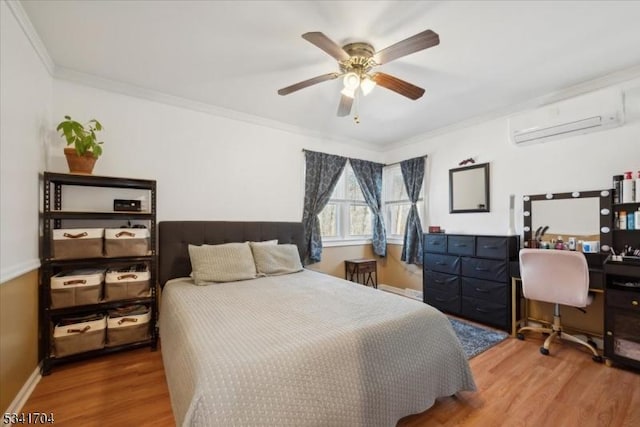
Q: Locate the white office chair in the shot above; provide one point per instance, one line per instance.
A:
(558, 277)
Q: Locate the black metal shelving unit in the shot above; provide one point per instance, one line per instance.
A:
(52, 217)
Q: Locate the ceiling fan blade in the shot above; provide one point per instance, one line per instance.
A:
(405, 47)
(397, 85)
(326, 44)
(344, 108)
(306, 83)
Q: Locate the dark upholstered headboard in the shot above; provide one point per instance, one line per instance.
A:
(175, 236)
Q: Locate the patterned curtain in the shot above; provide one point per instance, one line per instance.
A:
(413, 174)
(321, 176)
(369, 176)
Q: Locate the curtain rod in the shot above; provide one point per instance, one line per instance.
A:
(390, 164)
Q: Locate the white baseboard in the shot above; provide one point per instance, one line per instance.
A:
(24, 393)
(391, 289)
(407, 292)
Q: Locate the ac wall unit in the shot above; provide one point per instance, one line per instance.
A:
(575, 116)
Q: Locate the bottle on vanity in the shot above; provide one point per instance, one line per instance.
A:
(628, 188)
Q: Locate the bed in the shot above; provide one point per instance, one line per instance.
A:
(299, 349)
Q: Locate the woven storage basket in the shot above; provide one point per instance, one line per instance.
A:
(120, 242)
(126, 283)
(79, 335)
(77, 287)
(77, 243)
(123, 328)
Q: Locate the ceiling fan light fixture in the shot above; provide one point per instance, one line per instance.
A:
(367, 85)
(351, 81)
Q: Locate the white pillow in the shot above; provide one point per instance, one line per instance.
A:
(273, 260)
(222, 263)
(264, 242)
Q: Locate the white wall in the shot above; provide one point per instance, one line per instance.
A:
(578, 163)
(206, 166)
(25, 99)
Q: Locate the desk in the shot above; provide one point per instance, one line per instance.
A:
(355, 268)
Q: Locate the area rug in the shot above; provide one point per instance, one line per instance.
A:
(476, 339)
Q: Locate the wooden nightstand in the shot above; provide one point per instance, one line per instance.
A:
(364, 271)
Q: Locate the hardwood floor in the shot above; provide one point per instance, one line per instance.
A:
(517, 386)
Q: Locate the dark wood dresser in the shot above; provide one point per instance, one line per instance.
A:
(468, 276)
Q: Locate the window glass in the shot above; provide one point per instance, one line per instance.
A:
(329, 220)
(347, 215)
(360, 220)
(397, 202)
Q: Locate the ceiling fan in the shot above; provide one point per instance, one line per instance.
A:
(356, 61)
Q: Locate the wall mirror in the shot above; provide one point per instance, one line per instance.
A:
(582, 215)
(469, 189)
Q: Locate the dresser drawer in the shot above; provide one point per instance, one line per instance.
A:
(442, 282)
(460, 245)
(492, 247)
(485, 312)
(623, 299)
(484, 290)
(435, 243)
(442, 263)
(485, 269)
(442, 301)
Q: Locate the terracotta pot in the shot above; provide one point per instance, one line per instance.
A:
(79, 164)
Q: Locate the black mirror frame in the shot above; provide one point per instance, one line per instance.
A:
(606, 213)
(487, 193)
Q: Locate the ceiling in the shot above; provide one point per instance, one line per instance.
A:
(236, 55)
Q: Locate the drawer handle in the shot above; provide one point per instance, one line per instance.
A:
(74, 282)
(126, 234)
(484, 291)
(489, 247)
(79, 331)
(440, 299)
(634, 303)
(439, 281)
(75, 236)
(440, 263)
(460, 245)
(435, 243)
(482, 311)
(609, 333)
(481, 269)
(128, 276)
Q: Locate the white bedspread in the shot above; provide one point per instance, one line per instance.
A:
(304, 349)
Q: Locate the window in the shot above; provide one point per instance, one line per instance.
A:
(396, 202)
(347, 215)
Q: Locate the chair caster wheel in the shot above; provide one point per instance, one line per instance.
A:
(544, 351)
(597, 359)
(593, 344)
(520, 336)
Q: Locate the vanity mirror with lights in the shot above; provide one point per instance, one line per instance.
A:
(584, 217)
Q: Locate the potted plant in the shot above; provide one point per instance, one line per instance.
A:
(86, 148)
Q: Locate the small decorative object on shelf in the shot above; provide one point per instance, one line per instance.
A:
(98, 285)
(86, 149)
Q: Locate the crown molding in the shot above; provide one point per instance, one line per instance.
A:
(27, 27)
(67, 74)
(602, 82)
